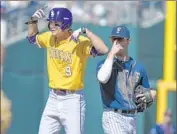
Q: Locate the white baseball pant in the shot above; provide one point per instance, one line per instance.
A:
(116, 123)
(63, 110)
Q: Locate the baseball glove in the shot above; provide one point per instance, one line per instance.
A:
(142, 98)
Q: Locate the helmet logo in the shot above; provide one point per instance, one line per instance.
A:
(52, 13)
(58, 12)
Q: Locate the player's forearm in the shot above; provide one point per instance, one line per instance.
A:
(32, 32)
(97, 42)
(105, 71)
(32, 29)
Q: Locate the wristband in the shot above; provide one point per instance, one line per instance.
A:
(83, 30)
(31, 21)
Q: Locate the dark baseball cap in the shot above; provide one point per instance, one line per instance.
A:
(120, 31)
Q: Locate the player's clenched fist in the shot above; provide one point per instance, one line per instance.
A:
(75, 35)
(39, 14)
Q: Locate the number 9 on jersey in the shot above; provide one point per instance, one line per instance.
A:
(68, 71)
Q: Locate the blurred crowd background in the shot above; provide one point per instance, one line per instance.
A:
(24, 78)
(101, 13)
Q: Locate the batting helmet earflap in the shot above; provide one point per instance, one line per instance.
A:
(62, 15)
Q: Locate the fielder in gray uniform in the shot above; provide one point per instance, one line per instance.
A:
(124, 85)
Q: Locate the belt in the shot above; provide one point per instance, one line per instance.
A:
(64, 91)
(132, 111)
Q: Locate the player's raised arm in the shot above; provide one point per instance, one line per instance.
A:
(32, 28)
(33, 25)
(96, 41)
(105, 70)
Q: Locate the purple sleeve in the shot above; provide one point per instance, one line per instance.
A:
(32, 39)
(94, 52)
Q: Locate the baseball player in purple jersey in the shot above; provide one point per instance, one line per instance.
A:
(124, 86)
